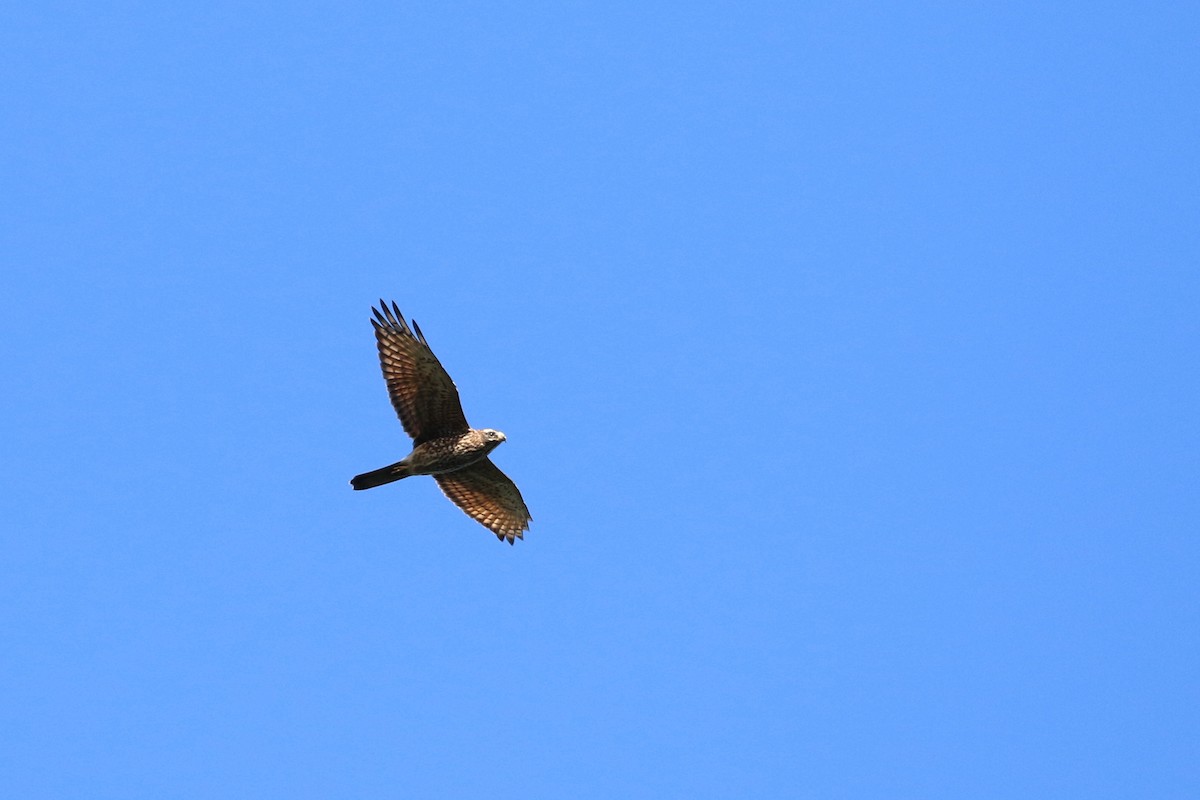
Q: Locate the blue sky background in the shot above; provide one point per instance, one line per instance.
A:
(847, 354)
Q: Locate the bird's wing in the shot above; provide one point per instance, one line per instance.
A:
(423, 395)
(489, 497)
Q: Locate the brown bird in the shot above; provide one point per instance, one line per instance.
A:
(444, 445)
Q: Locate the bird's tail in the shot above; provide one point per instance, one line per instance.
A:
(378, 477)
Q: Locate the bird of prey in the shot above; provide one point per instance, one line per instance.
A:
(444, 445)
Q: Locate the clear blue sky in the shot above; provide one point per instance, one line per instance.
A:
(847, 354)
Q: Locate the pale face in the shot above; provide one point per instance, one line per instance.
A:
(490, 435)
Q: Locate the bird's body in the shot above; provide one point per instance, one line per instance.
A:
(434, 457)
(444, 446)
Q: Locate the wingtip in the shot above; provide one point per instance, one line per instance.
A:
(390, 316)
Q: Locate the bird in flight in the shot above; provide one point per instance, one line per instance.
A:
(444, 445)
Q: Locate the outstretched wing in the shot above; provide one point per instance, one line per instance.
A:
(423, 395)
(489, 497)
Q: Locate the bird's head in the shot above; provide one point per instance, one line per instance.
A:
(492, 437)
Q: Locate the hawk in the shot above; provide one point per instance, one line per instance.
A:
(444, 445)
